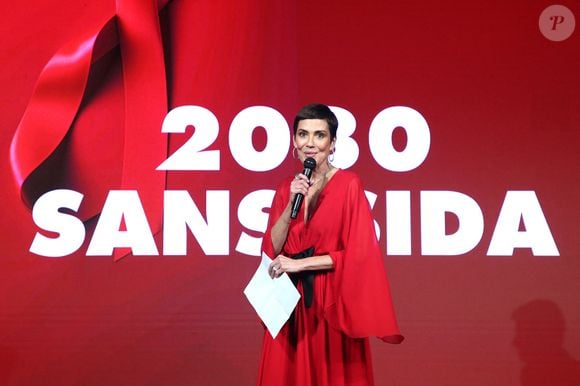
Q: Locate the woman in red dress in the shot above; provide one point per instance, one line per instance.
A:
(331, 252)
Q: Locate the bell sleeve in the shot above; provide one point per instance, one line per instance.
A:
(360, 302)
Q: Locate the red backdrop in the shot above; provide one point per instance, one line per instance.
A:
(503, 107)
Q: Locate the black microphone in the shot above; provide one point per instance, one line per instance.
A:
(309, 166)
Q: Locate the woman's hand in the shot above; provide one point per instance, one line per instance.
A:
(299, 184)
(283, 264)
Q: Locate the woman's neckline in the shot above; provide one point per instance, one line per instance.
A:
(321, 193)
(327, 176)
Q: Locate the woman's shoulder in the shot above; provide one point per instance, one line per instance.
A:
(348, 178)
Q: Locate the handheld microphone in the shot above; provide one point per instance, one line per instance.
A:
(309, 166)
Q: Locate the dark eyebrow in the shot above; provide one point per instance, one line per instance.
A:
(298, 131)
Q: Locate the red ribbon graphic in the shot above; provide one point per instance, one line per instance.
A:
(60, 89)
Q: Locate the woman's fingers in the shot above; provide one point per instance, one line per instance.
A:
(275, 268)
(280, 265)
(300, 184)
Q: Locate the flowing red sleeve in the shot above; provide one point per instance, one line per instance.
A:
(360, 304)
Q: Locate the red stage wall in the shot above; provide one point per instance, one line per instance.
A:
(494, 102)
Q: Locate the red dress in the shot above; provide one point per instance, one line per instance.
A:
(327, 343)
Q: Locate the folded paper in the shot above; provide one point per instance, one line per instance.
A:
(273, 299)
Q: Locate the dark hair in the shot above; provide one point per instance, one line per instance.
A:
(317, 111)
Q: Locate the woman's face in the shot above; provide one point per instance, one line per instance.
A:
(312, 139)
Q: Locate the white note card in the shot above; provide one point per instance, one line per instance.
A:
(273, 299)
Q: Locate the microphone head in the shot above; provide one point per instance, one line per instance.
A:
(310, 163)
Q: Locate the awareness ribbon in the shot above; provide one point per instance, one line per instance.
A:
(60, 88)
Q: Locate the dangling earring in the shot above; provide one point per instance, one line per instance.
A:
(331, 156)
(294, 153)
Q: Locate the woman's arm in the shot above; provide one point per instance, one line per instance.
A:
(279, 232)
(283, 264)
